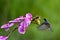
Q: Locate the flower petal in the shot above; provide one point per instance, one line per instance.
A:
(7, 26)
(29, 15)
(24, 25)
(3, 37)
(17, 19)
(22, 28)
(6, 29)
(27, 21)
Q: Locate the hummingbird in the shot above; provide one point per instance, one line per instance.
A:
(45, 25)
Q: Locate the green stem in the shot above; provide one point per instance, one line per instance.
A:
(12, 31)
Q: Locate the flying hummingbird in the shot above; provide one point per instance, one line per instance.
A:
(45, 25)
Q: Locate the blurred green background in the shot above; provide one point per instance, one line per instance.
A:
(50, 9)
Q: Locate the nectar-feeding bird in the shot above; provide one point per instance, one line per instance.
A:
(45, 25)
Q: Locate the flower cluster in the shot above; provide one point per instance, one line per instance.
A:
(23, 23)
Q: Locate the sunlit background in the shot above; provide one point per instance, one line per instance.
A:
(49, 9)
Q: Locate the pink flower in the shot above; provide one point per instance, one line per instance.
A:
(17, 19)
(7, 26)
(24, 22)
(11, 23)
(24, 25)
(29, 16)
(3, 37)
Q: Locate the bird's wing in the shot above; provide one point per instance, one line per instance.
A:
(42, 27)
